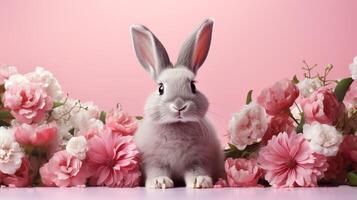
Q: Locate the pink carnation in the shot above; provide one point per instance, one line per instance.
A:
(289, 161)
(279, 97)
(277, 124)
(64, 170)
(114, 160)
(322, 106)
(28, 103)
(21, 178)
(242, 172)
(36, 135)
(120, 122)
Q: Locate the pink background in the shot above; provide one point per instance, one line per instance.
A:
(87, 44)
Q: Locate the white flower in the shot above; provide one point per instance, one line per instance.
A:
(77, 146)
(7, 71)
(324, 139)
(16, 79)
(295, 111)
(308, 86)
(10, 152)
(353, 68)
(46, 80)
(248, 126)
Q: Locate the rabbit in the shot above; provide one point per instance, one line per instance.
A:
(176, 140)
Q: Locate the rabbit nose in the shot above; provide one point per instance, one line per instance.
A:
(176, 108)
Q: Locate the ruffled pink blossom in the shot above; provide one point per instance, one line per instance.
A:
(28, 103)
(322, 106)
(279, 97)
(21, 178)
(36, 135)
(113, 160)
(120, 122)
(64, 170)
(289, 162)
(277, 124)
(242, 172)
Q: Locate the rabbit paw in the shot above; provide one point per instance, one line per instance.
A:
(199, 182)
(160, 182)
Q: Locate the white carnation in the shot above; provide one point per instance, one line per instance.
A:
(323, 138)
(46, 79)
(77, 146)
(353, 68)
(16, 79)
(308, 86)
(10, 152)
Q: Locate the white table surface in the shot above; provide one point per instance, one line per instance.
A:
(325, 193)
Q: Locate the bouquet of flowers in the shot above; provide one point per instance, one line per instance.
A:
(49, 139)
(296, 133)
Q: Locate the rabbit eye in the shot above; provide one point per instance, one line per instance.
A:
(193, 87)
(161, 88)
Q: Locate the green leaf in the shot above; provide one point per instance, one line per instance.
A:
(57, 104)
(301, 124)
(5, 115)
(352, 178)
(139, 117)
(295, 80)
(249, 97)
(102, 116)
(234, 152)
(342, 88)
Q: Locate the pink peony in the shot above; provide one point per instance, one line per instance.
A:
(277, 124)
(279, 97)
(120, 122)
(36, 135)
(113, 160)
(289, 161)
(28, 103)
(248, 126)
(242, 172)
(21, 178)
(64, 170)
(322, 106)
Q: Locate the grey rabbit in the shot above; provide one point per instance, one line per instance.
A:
(175, 138)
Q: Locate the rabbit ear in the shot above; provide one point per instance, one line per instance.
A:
(195, 49)
(149, 50)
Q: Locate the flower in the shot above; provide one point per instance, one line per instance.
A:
(221, 183)
(323, 139)
(21, 178)
(77, 146)
(351, 96)
(120, 122)
(113, 160)
(349, 148)
(248, 126)
(28, 103)
(242, 172)
(37, 135)
(10, 152)
(46, 80)
(337, 169)
(64, 170)
(277, 124)
(308, 86)
(353, 68)
(6, 72)
(279, 97)
(289, 161)
(16, 80)
(322, 106)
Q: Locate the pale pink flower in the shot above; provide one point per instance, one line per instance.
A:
(37, 135)
(120, 122)
(248, 126)
(351, 96)
(289, 161)
(28, 103)
(11, 153)
(6, 71)
(279, 97)
(113, 160)
(21, 178)
(64, 170)
(322, 106)
(277, 124)
(221, 183)
(242, 172)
